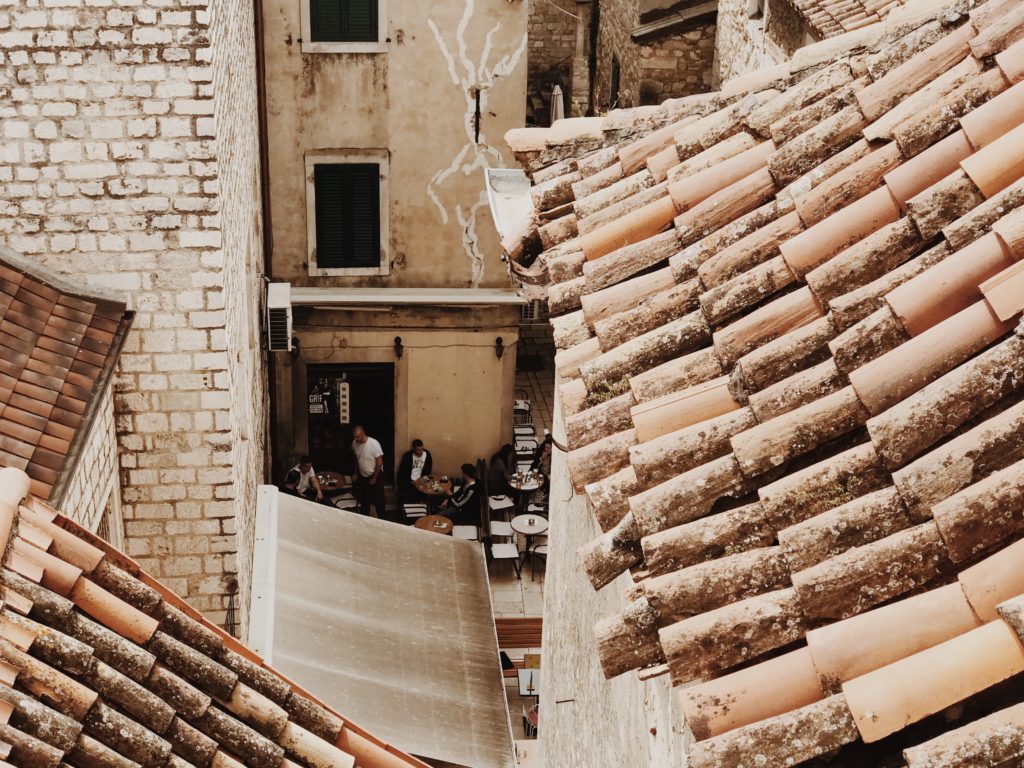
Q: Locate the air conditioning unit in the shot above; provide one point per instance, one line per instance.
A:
(279, 317)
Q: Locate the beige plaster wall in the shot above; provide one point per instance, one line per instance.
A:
(451, 390)
(415, 100)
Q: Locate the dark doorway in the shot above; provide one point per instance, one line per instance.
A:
(341, 396)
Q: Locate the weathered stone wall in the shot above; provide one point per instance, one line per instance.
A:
(745, 44)
(617, 19)
(588, 720)
(96, 476)
(673, 64)
(552, 30)
(110, 174)
(237, 146)
(678, 65)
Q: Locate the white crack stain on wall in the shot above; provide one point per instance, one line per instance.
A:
(475, 155)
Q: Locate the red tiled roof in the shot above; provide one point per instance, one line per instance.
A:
(100, 665)
(792, 369)
(57, 347)
(833, 17)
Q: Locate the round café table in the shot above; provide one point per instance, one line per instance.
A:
(432, 486)
(436, 523)
(332, 482)
(529, 525)
(525, 485)
(434, 490)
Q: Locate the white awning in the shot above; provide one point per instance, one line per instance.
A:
(391, 625)
(508, 194)
(376, 297)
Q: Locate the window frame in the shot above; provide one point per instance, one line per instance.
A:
(380, 45)
(342, 157)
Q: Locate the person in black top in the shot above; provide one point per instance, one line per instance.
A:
(291, 483)
(416, 463)
(463, 507)
(498, 471)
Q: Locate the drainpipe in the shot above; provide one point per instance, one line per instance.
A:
(268, 239)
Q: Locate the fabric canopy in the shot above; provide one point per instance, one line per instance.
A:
(391, 624)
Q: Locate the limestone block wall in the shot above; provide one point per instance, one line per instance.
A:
(95, 482)
(678, 63)
(617, 19)
(111, 173)
(626, 721)
(552, 30)
(745, 44)
(555, 28)
(237, 148)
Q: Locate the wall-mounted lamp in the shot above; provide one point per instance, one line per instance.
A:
(499, 347)
(295, 348)
(399, 349)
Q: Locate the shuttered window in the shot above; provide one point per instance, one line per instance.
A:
(347, 215)
(343, 21)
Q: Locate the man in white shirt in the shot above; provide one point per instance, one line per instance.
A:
(308, 486)
(369, 483)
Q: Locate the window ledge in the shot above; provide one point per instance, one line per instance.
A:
(346, 47)
(315, 271)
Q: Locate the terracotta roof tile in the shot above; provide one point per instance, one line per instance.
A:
(143, 680)
(837, 389)
(42, 328)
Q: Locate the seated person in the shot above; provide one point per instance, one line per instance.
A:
(542, 457)
(308, 486)
(542, 462)
(463, 506)
(499, 470)
(416, 463)
(291, 483)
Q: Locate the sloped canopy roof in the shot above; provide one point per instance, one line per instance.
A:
(393, 624)
(58, 349)
(788, 317)
(100, 665)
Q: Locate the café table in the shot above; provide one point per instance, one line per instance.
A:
(529, 525)
(525, 484)
(434, 489)
(436, 523)
(333, 482)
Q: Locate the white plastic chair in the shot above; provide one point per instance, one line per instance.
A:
(466, 532)
(502, 529)
(499, 503)
(507, 551)
(413, 511)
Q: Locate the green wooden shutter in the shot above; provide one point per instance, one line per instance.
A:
(347, 215)
(343, 20)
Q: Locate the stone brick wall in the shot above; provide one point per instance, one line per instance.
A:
(237, 147)
(745, 44)
(617, 19)
(677, 63)
(95, 477)
(109, 173)
(552, 30)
